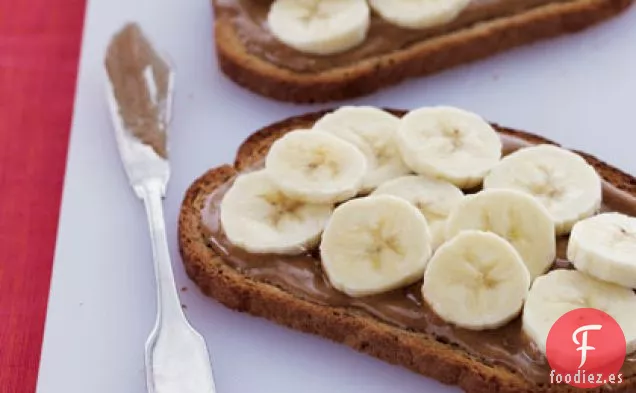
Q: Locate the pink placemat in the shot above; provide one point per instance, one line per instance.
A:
(39, 52)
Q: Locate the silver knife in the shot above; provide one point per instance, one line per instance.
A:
(139, 93)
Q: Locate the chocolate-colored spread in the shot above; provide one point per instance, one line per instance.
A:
(250, 19)
(302, 276)
(140, 80)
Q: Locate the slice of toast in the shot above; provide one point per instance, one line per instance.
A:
(419, 352)
(423, 57)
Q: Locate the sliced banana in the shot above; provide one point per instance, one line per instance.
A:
(316, 167)
(419, 14)
(449, 143)
(561, 291)
(375, 244)
(476, 281)
(513, 215)
(373, 131)
(563, 181)
(435, 199)
(604, 246)
(320, 27)
(258, 217)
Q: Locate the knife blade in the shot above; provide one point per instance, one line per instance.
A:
(140, 91)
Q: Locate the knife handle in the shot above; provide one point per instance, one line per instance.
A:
(177, 359)
(169, 304)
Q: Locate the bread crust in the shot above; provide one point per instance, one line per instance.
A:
(418, 352)
(424, 58)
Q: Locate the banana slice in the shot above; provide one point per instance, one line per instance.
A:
(258, 217)
(316, 167)
(604, 246)
(513, 215)
(320, 27)
(419, 14)
(375, 244)
(561, 291)
(476, 281)
(449, 143)
(435, 199)
(563, 181)
(372, 130)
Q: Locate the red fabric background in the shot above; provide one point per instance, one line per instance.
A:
(39, 50)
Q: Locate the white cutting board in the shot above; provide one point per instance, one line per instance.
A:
(579, 90)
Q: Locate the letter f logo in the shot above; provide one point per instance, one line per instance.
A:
(573, 336)
(583, 343)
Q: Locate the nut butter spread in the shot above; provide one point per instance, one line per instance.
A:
(140, 80)
(250, 20)
(302, 276)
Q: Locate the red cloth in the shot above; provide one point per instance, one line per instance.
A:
(39, 51)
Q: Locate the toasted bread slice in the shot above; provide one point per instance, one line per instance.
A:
(423, 57)
(419, 352)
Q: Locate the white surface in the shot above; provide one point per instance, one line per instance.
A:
(578, 90)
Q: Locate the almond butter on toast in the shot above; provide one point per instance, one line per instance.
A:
(267, 289)
(252, 57)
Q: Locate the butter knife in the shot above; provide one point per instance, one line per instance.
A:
(139, 94)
